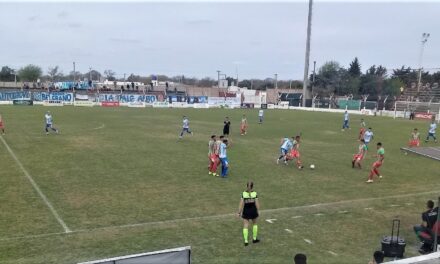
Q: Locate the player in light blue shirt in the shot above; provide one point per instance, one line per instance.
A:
(346, 120)
(49, 123)
(224, 158)
(368, 136)
(185, 127)
(431, 131)
(286, 145)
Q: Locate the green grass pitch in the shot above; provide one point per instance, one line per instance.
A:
(111, 169)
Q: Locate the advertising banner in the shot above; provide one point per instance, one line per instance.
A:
(161, 104)
(128, 98)
(110, 104)
(83, 103)
(197, 99)
(81, 96)
(22, 102)
(136, 104)
(180, 105)
(10, 96)
(224, 102)
(53, 96)
(427, 116)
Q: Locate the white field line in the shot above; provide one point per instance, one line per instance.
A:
(270, 220)
(100, 127)
(217, 217)
(288, 230)
(297, 216)
(308, 241)
(332, 253)
(36, 188)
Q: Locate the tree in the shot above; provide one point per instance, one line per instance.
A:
(54, 73)
(392, 86)
(96, 75)
(355, 68)
(330, 79)
(134, 78)
(30, 73)
(110, 75)
(245, 83)
(7, 74)
(207, 82)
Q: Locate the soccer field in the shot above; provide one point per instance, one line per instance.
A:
(121, 182)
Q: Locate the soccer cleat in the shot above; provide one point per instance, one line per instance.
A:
(246, 244)
(369, 181)
(209, 173)
(285, 162)
(380, 176)
(255, 241)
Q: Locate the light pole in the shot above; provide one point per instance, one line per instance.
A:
(218, 78)
(90, 73)
(313, 78)
(276, 87)
(74, 77)
(307, 56)
(425, 37)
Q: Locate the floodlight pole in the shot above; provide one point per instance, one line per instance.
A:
(276, 87)
(307, 56)
(74, 77)
(218, 78)
(425, 37)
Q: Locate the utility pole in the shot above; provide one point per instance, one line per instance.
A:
(425, 37)
(307, 55)
(276, 87)
(313, 78)
(218, 78)
(74, 77)
(236, 72)
(90, 73)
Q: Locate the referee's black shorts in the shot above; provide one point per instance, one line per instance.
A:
(249, 213)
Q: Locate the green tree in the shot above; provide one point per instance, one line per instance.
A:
(355, 68)
(331, 78)
(245, 83)
(30, 73)
(7, 74)
(392, 86)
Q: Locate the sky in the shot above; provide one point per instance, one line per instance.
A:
(254, 39)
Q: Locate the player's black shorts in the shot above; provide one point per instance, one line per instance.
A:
(249, 213)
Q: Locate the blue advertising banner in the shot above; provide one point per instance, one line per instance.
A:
(10, 96)
(70, 85)
(127, 98)
(197, 99)
(53, 96)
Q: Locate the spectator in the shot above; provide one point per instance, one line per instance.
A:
(424, 231)
(300, 259)
(378, 257)
(402, 90)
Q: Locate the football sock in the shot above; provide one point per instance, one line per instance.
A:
(245, 235)
(254, 232)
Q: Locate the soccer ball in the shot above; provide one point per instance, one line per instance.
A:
(312, 167)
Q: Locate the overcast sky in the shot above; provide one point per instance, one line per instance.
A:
(196, 39)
